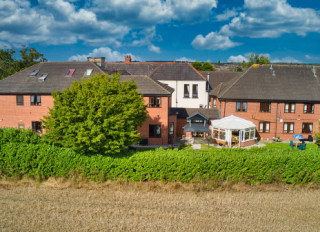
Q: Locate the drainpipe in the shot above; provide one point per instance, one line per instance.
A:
(224, 110)
(275, 134)
(176, 94)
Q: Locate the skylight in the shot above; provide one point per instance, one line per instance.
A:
(34, 73)
(88, 72)
(70, 72)
(43, 77)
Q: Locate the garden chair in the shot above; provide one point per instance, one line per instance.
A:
(291, 144)
(303, 146)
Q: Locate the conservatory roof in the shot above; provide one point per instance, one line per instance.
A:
(233, 123)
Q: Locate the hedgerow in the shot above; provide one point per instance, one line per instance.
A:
(253, 166)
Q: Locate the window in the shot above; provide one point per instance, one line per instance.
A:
(33, 73)
(154, 131)
(186, 90)
(241, 106)
(219, 133)
(154, 101)
(289, 107)
(288, 127)
(37, 126)
(35, 100)
(88, 72)
(308, 108)
(70, 72)
(43, 77)
(265, 107)
(264, 127)
(307, 127)
(249, 134)
(19, 99)
(195, 91)
(214, 102)
(171, 129)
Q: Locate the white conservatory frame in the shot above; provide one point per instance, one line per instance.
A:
(222, 129)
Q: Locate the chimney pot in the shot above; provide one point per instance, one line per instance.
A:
(127, 59)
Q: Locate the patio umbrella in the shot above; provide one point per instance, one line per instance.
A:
(297, 136)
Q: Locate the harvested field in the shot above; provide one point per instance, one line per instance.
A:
(63, 206)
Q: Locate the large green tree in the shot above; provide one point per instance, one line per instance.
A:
(98, 115)
(10, 65)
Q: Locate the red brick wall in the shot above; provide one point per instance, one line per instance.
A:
(254, 115)
(181, 122)
(11, 114)
(156, 116)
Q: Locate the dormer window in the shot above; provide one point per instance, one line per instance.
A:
(70, 72)
(34, 73)
(43, 77)
(88, 72)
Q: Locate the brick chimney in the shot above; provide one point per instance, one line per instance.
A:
(97, 60)
(127, 59)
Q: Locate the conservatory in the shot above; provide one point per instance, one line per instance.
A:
(233, 131)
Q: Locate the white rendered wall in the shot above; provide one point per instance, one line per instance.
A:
(178, 99)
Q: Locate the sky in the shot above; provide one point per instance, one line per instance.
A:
(164, 30)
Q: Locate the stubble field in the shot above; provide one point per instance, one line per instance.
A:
(58, 205)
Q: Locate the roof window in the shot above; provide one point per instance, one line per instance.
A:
(34, 73)
(88, 72)
(43, 77)
(70, 72)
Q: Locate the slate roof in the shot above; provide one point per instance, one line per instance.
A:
(219, 78)
(290, 83)
(187, 112)
(133, 68)
(22, 83)
(148, 86)
(177, 71)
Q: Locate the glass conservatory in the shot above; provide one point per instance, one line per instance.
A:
(233, 131)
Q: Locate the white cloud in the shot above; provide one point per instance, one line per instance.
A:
(213, 41)
(270, 19)
(151, 12)
(106, 52)
(227, 14)
(287, 59)
(53, 22)
(185, 59)
(237, 59)
(153, 48)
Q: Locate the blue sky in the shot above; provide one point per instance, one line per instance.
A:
(202, 30)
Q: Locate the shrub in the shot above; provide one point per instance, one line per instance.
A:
(256, 165)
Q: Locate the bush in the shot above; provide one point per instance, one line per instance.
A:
(18, 136)
(256, 165)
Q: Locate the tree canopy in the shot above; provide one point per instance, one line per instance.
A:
(206, 66)
(256, 59)
(10, 65)
(98, 115)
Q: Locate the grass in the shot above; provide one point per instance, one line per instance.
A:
(55, 206)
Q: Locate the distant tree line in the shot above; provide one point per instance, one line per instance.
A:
(256, 59)
(10, 65)
(206, 66)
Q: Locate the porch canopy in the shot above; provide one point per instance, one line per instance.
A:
(233, 129)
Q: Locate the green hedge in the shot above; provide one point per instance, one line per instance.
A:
(19, 136)
(256, 165)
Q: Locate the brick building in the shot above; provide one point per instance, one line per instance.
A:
(281, 100)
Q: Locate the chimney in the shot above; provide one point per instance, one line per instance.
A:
(97, 60)
(127, 59)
